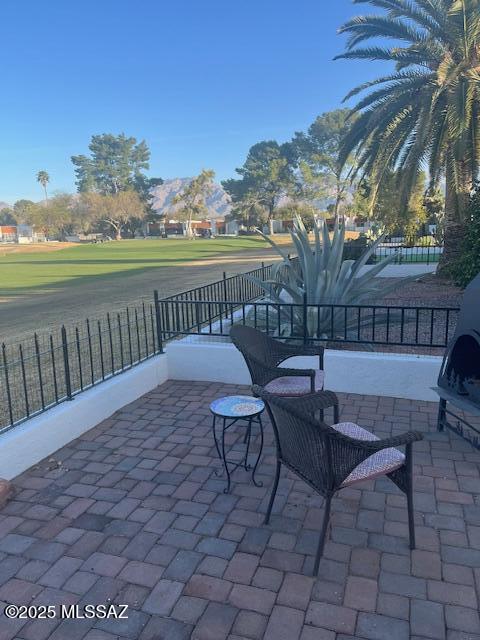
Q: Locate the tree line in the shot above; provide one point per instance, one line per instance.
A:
(113, 194)
(276, 182)
(408, 151)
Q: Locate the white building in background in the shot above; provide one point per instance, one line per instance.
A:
(20, 234)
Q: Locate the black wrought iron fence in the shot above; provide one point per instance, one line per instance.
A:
(403, 254)
(235, 287)
(51, 368)
(421, 327)
(217, 297)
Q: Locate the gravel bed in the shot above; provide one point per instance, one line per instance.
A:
(426, 291)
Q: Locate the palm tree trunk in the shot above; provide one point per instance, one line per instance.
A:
(456, 206)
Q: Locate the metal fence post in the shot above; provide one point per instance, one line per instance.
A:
(66, 363)
(7, 383)
(158, 321)
(305, 320)
(225, 295)
(39, 369)
(263, 270)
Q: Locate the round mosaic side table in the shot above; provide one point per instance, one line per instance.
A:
(231, 410)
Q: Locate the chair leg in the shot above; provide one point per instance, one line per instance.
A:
(274, 492)
(323, 534)
(411, 513)
(336, 416)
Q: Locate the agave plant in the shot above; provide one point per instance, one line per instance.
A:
(320, 276)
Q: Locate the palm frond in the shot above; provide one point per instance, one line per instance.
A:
(420, 12)
(428, 113)
(363, 28)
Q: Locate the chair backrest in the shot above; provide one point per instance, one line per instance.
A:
(256, 347)
(303, 443)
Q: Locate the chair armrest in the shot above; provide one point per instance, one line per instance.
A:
(286, 351)
(395, 441)
(308, 403)
(269, 373)
(315, 401)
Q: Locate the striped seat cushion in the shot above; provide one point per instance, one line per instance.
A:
(378, 464)
(295, 385)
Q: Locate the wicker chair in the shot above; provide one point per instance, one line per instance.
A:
(329, 458)
(263, 355)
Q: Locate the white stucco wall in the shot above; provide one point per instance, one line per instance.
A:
(30, 442)
(383, 374)
(205, 359)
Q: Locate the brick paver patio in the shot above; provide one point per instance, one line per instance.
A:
(132, 513)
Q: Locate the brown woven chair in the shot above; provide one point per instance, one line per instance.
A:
(329, 458)
(263, 355)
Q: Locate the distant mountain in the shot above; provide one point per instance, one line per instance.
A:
(4, 205)
(218, 203)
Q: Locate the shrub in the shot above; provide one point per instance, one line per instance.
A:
(353, 249)
(468, 264)
(426, 241)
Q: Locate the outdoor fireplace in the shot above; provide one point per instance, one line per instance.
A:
(461, 369)
(459, 379)
(460, 372)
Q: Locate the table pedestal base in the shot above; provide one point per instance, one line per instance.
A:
(220, 447)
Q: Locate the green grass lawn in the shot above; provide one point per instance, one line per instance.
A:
(22, 272)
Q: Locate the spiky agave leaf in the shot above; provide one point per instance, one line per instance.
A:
(322, 277)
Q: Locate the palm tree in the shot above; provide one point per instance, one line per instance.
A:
(425, 115)
(43, 178)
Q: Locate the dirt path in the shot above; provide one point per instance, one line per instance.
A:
(21, 316)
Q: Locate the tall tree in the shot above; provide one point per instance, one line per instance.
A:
(468, 265)
(249, 212)
(427, 111)
(266, 174)
(117, 210)
(190, 202)
(292, 210)
(43, 178)
(143, 186)
(387, 212)
(315, 154)
(85, 217)
(52, 218)
(116, 163)
(434, 202)
(7, 217)
(21, 210)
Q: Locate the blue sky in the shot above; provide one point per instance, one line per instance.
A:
(199, 81)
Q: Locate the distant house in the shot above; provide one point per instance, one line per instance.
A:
(8, 233)
(21, 234)
(214, 226)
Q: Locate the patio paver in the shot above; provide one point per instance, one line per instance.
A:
(134, 514)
